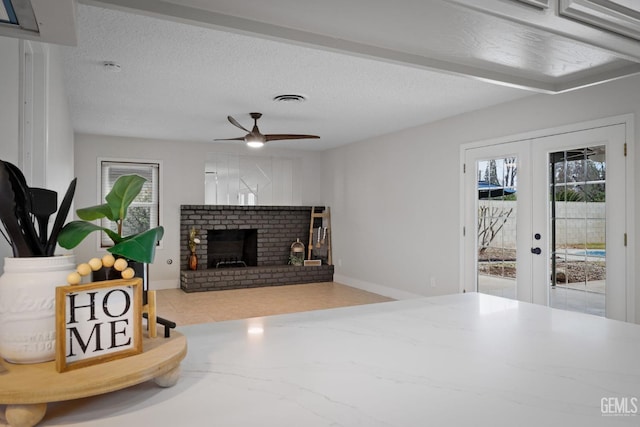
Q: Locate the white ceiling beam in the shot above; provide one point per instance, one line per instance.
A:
(51, 22)
(549, 20)
(197, 16)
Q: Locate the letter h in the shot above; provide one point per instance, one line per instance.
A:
(73, 307)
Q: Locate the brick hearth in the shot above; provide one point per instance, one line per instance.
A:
(252, 277)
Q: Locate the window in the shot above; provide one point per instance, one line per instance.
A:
(144, 212)
(7, 13)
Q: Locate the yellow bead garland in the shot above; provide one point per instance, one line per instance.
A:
(96, 264)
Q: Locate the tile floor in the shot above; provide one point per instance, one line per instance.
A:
(214, 306)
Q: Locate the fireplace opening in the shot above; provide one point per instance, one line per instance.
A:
(232, 248)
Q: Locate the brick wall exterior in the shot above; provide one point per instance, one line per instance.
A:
(278, 227)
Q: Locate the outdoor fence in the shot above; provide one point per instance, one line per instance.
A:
(577, 223)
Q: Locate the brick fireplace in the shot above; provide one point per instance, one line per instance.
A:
(245, 246)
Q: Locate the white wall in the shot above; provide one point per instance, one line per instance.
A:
(182, 182)
(9, 112)
(53, 140)
(59, 139)
(394, 198)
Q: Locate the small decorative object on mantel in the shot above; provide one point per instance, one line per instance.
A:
(27, 286)
(296, 256)
(98, 322)
(193, 241)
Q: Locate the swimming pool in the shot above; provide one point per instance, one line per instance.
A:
(593, 252)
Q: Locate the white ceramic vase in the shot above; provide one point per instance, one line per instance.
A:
(28, 306)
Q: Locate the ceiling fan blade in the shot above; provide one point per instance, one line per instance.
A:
(240, 138)
(236, 124)
(281, 136)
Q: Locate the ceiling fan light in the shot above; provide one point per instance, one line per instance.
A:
(254, 141)
(255, 144)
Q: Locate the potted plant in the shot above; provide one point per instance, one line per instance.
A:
(138, 247)
(27, 285)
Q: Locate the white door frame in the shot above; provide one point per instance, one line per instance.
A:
(613, 138)
(520, 150)
(628, 121)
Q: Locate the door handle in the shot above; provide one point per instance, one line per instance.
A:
(536, 251)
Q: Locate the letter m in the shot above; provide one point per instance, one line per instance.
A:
(73, 333)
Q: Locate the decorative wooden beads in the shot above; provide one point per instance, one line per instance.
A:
(96, 264)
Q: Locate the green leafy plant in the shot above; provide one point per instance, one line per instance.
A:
(295, 260)
(139, 247)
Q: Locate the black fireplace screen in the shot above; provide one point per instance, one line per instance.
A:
(232, 248)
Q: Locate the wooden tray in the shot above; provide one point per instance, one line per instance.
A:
(27, 389)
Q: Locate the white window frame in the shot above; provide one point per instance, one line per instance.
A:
(102, 240)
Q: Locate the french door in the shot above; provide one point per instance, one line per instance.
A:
(544, 221)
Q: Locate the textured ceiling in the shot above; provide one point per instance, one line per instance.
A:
(180, 81)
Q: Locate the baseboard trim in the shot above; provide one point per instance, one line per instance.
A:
(156, 285)
(386, 291)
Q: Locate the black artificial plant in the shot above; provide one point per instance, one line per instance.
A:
(21, 207)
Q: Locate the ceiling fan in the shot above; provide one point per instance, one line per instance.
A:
(255, 139)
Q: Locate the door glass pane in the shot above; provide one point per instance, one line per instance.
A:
(578, 263)
(496, 193)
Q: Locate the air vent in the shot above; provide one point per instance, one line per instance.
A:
(289, 98)
(112, 67)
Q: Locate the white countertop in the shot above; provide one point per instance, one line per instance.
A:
(457, 360)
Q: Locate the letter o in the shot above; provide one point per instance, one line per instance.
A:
(105, 303)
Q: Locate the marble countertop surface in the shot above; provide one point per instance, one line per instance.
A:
(456, 360)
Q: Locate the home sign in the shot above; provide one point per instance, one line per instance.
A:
(98, 322)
